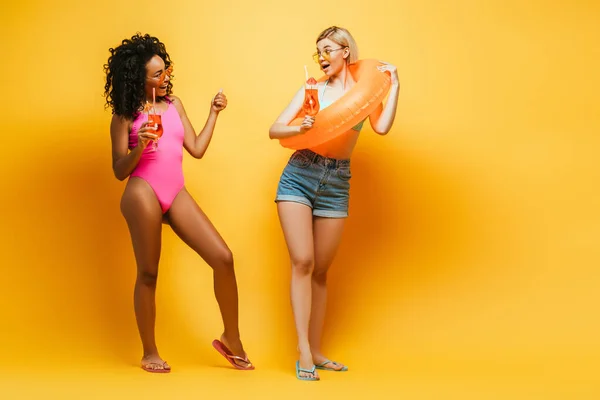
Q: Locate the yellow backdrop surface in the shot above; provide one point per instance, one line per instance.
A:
(471, 254)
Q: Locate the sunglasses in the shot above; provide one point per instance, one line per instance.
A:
(325, 54)
(166, 72)
(161, 77)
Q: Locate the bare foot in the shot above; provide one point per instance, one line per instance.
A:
(236, 347)
(153, 363)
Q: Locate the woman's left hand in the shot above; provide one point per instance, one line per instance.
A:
(391, 69)
(219, 102)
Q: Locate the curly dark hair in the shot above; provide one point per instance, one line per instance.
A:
(126, 73)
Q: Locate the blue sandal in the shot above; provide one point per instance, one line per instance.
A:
(323, 367)
(308, 371)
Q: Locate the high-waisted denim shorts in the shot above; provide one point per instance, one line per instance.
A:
(319, 182)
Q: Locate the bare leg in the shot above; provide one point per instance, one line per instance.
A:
(142, 212)
(327, 236)
(193, 227)
(296, 222)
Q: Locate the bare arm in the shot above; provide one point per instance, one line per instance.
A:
(123, 161)
(196, 144)
(383, 117)
(280, 128)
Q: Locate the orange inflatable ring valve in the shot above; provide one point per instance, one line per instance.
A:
(355, 105)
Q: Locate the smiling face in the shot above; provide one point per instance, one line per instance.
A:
(156, 77)
(331, 56)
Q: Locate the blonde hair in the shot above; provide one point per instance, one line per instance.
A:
(342, 37)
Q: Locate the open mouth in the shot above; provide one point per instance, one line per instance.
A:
(324, 66)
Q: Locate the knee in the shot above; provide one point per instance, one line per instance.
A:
(224, 260)
(147, 278)
(303, 265)
(320, 276)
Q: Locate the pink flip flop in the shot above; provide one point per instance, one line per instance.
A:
(229, 356)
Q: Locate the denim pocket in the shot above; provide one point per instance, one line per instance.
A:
(344, 173)
(299, 160)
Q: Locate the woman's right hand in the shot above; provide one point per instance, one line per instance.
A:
(307, 124)
(145, 135)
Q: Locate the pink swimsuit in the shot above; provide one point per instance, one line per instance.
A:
(162, 169)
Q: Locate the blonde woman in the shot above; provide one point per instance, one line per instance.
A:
(313, 195)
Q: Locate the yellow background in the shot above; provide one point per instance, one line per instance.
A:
(470, 263)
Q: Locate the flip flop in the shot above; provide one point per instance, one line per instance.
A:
(145, 367)
(229, 356)
(323, 367)
(309, 371)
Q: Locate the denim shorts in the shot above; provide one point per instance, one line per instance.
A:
(319, 182)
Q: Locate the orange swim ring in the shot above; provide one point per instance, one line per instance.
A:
(355, 105)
